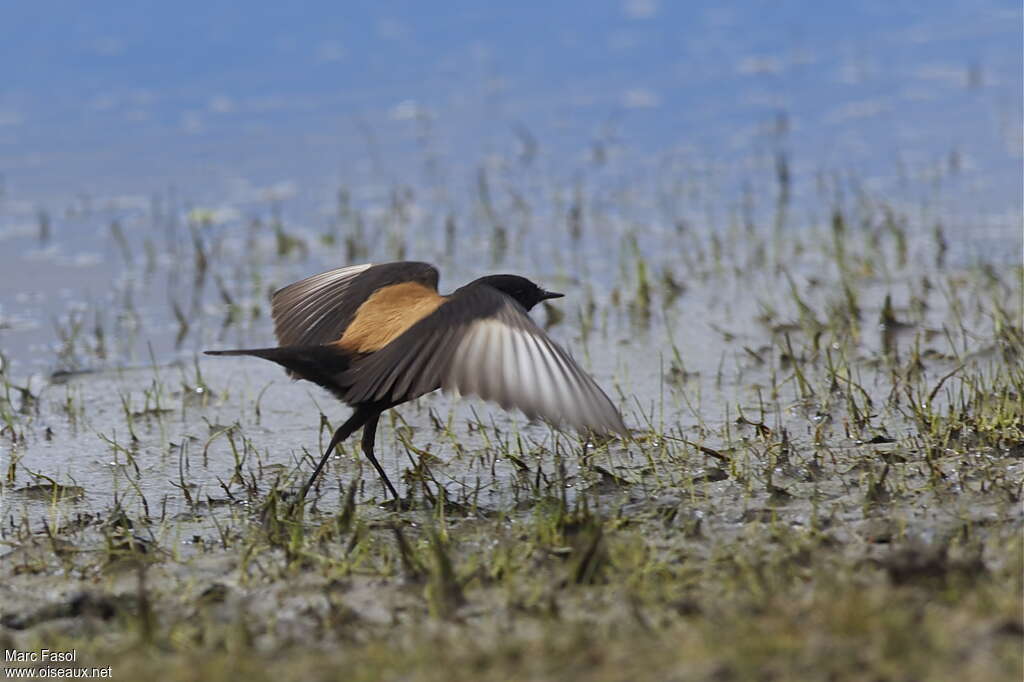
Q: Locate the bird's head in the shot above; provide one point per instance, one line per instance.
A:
(525, 292)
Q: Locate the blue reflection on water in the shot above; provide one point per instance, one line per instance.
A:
(123, 97)
(104, 105)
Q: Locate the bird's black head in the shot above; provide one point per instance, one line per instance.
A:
(521, 289)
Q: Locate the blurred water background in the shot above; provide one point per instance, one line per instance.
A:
(136, 137)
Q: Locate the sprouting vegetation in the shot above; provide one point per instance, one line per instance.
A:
(824, 479)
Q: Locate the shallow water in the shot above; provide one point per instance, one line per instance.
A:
(642, 117)
(206, 431)
(675, 172)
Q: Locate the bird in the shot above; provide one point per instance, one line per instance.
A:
(379, 335)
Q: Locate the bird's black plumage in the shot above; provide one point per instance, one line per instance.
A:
(380, 335)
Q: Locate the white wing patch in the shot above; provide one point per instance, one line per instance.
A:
(300, 309)
(520, 367)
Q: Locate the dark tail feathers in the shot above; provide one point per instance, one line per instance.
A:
(320, 364)
(265, 353)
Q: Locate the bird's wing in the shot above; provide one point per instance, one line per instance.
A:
(318, 309)
(481, 342)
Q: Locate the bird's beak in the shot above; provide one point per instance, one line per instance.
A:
(550, 294)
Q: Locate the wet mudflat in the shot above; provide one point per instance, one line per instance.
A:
(824, 477)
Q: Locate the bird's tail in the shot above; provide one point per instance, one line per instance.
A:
(265, 353)
(320, 364)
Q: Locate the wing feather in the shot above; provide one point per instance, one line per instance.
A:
(509, 360)
(481, 342)
(317, 310)
(302, 311)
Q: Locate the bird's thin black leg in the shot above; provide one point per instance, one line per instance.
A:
(369, 435)
(359, 418)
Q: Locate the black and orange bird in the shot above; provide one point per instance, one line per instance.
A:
(379, 335)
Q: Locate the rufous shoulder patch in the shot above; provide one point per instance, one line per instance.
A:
(387, 313)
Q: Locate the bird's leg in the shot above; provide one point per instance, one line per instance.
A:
(369, 435)
(359, 418)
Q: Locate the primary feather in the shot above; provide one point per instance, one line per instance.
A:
(481, 342)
